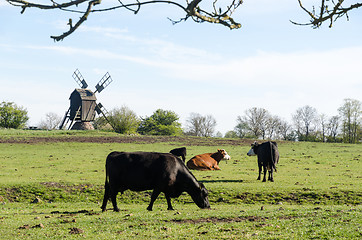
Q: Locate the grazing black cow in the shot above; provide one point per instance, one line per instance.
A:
(162, 172)
(179, 152)
(268, 157)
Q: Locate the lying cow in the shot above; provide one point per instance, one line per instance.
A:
(268, 157)
(179, 152)
(208, 161)
(162, 172)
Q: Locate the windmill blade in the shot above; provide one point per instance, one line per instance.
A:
(100, 109)
(79, 79)
(103, 83)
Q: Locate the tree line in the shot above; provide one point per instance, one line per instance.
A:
(307, 125)
(256, 123)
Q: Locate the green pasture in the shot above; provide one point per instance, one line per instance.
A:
(316, 194)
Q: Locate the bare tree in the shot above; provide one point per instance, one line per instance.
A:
(217, 12)
(304, 119)
(202, 126)
(51, 122)
(272, 126)
(285, 131)
(329, 10)
(332, 128)
(256, 119)
(322, 120)
(351, 113)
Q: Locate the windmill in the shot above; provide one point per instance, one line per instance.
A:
(83, 105)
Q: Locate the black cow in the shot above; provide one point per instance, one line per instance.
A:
(179, 152)
(268, 157)
(162, 172)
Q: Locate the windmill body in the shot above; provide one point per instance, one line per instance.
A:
(83, 104)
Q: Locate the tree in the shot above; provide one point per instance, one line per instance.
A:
(272, 127)
(304, 120)
(231, 134)
(351, 113)
(332, 128)
(218, 13)
(256, 119)
(201, 126)
(322, 120)
(328, 11)
(51, 122)
(285, 131)
(161, 122)
(241, 128)
(123, 120)
(12, 116)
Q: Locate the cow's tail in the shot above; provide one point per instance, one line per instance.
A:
(272, 157)
(106, 191)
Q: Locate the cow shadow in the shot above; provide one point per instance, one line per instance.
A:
(221, 181)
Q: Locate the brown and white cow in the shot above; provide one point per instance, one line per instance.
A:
(208, 161)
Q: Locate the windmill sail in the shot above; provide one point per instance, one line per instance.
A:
(79, 79)
(103, 83)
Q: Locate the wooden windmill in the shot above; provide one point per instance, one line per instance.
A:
(83, 105)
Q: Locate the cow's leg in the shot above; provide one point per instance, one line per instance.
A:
(154, 196)
(168, 199)
(113, 194)
(265, 171)
(105, 197)
(260, 168)
(270, 178)
(216, 167)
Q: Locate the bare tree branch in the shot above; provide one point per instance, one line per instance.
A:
(80, 21)
(329, 11)
(191, 8)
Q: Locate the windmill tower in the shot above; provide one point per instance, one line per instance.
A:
(83, 105)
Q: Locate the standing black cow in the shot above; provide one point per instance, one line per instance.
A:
(162, 172)
(268, 157)
(179, 152)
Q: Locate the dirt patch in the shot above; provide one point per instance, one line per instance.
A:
(187, 141)
(218, 220)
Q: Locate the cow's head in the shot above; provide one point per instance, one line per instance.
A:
(200, 196)
(225, 155)
(252, 149)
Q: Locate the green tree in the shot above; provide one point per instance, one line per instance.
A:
(161, 122)
(123, 120)
(12, 116)
(231, 134)
(351, 115)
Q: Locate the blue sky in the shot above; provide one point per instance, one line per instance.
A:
(188, 67)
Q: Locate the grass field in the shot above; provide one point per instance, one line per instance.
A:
(316, 194)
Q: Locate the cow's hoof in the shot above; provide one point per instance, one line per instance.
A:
(149, 209)
(116, 210)
(264, 180)
(171, 209)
